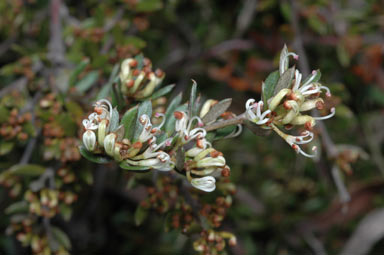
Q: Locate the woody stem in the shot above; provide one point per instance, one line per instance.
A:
(224, 123)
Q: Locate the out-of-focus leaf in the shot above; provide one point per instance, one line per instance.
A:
(285, 80)
(93, 157)
(67, 123)
(216, 110)
(148, 5)
(84, 84)
(74, 109)
(269, 85)
(78, 69)
(106, 89)
(114, 121)
(140, 60)
(343, 55)
(4, 114)
(127, 166)
(6, 147)
(61, 237)
(316, 24)
(256, 129)
(17, 207)
(180, 158)
(141, 214)
(135, 41)
(65, 211)
(192, 99)
(129, 122)
(163, 91)
(144, 108)
(27, 170)
(286, 10)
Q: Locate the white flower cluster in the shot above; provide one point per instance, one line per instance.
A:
(287, 108)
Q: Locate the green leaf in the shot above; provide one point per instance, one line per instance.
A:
(78, 69)
(65, 211)
(180, 158)
(93, 157)
(192, 99)
(285, 80)
(170, 110)
(144, 108)
(18, 207)
(114, 121)
(171, 121)
(87, 82)
(106, 89)
(269, 85)
(140, 61)
(223, 132)
(129, 122)
(6, 147)
(74, 109)
(148, 5)
(4, 114)
(256, 129)
(315, 79)
(61, 237)
(127, 166)
(216, 110)
(141, 214)
(135, 41)
(163, 91)
(27, 170)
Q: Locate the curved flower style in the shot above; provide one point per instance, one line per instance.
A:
(184, 128)
(258, 117)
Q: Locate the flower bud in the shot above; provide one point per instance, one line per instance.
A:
(206, 183)
(116, 152)
(207, 106)
(275, 101)
(109, 143)
(102, 131)
(89, 140)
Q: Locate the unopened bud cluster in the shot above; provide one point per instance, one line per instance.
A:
(213, 242)
(137, 78)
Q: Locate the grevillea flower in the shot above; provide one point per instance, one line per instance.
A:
(254, 112)
(184, 127)
(89, 140)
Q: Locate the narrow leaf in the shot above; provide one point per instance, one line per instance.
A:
(180, 158)
(18, 207)
(129, 122)
(140, 215)
(27, 170)
(127, 166)
(269, 85)
(93, 157)
(256, 129)
(192, 99)
(105, 90)
(87, 81)
(79, 68)
(216, 110)
(163, 91)
(61, 237)
(114, 121)
(285, 80)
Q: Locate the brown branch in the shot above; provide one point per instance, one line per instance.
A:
(223, 123)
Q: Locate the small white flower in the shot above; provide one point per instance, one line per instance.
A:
(258, 117)
(89, 140)
(206, 183)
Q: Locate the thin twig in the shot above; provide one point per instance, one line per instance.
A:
(223, 123)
